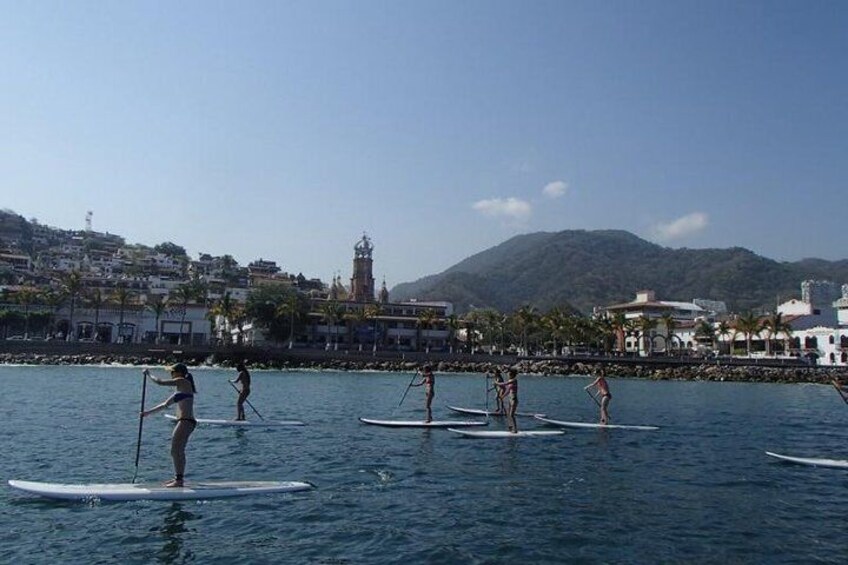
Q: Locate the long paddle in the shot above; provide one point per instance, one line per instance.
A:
(140, 421)
(407, 389)
(839, 390)
(246, 400)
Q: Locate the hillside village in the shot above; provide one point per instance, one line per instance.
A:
(93, 287)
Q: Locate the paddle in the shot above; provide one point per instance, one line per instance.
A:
(487, 395)
(407, 389)
(140, 421)
(838, 388)
(246, 400)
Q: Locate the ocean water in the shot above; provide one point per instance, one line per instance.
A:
(700, 490)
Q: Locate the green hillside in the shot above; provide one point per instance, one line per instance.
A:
(585, 269)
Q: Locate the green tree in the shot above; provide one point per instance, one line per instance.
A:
(749, 325)
(26, 296)
(775, 325)
(71, 284)
(122, 296)
(157, 304)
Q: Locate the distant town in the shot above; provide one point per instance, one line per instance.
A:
(92, 287)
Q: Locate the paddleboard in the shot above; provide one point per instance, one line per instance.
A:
(476, 412)
(243, 423)
(423, 424)
(815, 462)
(594, 426)
(504, 433)
(152, 491)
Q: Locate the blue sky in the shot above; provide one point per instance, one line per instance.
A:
(284, 130)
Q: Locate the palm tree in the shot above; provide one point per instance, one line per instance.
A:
(705, 331)
(670, 324)
(646, 325)
(71, 284)
(452, 323)
(525, 319)
(291, 309)
(122, 297)
(774, 325)
(223, 308)
(25, 297)
(619, 327)
(373, 312)
(185, 293)
(748, 324)
(96, 299)
(723, 330)
(332, 312)
(158, 304)
(425, 320)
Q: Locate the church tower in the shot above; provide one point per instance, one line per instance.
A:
(362, 281)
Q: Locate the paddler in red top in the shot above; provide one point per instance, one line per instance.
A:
(428, 381)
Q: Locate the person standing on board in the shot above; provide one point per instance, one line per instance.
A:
(603, 393)
(510, 387)
(244, 379)
(428, 381)
(497, 379)
(183, 399)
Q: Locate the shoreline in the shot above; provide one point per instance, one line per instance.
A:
(712, 371)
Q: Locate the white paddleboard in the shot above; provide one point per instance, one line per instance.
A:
(151, 491)
(476, 412)
(423, 424)
(504, 433)
(594, 426)
(243, 423)
(815, 462)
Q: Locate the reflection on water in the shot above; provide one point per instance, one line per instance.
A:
(173, 531)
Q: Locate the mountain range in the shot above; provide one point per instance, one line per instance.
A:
(583, 269)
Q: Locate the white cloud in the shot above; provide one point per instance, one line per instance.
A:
(681, 227)
(513, 208)
(555, 189)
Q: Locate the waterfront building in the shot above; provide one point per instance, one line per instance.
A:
(654, 316)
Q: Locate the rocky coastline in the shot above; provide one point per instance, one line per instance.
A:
(708, 371)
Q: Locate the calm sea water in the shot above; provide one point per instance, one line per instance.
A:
(699, 490)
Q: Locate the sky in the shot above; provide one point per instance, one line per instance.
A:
(284, 130)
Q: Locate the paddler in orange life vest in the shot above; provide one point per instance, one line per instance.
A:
(428, 381)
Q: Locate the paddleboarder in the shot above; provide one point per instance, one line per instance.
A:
(603, 392)
(244, 379)
(500, 393)
(183, 399)
(510, 387)
(428, 381)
